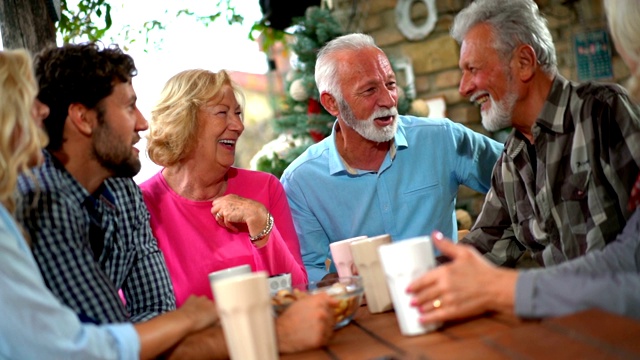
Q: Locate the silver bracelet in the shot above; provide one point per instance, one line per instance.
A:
(266, 231)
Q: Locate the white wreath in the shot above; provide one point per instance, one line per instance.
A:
(407, 27)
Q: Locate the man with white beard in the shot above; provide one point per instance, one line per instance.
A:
(561, 186)
(378, 172)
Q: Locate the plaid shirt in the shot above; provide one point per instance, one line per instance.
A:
(587, 142)
(59, 215)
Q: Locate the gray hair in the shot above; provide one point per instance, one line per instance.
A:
(326, 72)
(514, 22)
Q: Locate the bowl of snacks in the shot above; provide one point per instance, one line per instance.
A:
(347, 290)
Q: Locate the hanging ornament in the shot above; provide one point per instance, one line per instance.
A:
(298, 91)
(313, 106)
(291, 75)
(316, 135)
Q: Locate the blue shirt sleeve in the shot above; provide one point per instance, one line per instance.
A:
(475, 157)
(34, 324)
(608, 279)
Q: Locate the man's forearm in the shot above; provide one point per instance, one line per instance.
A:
(207, 344)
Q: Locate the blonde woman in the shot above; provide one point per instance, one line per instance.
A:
(34, 323)
(207, 214)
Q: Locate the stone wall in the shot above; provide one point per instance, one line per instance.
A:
(435, 58)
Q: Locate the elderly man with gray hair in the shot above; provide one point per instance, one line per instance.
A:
(378, 172)
(608, 278)
(561, 187)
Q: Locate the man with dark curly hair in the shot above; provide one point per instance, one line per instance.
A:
(85, 215)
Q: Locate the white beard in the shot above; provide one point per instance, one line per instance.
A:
(499, 114)
(367, 128)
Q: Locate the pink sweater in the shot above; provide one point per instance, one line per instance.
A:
(194, 244)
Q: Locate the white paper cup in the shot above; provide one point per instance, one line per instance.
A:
(227, 273)
(341, 254)
(367, 261)
(244, 306)
(403, 262)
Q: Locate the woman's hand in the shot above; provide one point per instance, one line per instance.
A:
(468, 285)
(232, 210)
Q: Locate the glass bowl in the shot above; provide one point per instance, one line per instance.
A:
(347, 290)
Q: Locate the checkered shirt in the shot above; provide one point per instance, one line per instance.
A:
(587, 141)
(57, 214)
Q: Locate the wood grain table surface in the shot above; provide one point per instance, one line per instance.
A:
(591, 334)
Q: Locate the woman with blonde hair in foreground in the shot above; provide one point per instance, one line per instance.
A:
(34, 323)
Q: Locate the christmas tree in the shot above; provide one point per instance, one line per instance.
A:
(304, 120)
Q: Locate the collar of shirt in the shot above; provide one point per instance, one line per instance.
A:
(551, 117)
(101, 199)
(337, 164)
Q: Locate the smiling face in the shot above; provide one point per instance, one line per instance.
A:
(487, 79)
(119, 121)
(220, 126)
(369, 94)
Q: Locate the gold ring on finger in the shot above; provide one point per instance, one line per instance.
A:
(437, 303)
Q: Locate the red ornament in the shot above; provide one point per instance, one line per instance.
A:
(313, 107)
(316, 135)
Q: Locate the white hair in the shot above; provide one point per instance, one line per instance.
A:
(326, 72)
(514, 22)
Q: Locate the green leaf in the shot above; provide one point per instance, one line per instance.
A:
(78, 21)
(185, 12)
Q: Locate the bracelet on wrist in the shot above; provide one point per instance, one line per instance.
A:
(266, 231)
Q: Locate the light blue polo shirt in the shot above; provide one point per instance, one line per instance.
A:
(413, 193)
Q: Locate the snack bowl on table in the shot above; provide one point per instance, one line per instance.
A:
(347, 290)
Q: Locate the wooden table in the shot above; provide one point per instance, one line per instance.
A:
(592, 334)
